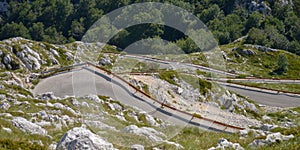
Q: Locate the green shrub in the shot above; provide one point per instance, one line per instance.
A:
(204, 86)
(168, 75)
(241, 76)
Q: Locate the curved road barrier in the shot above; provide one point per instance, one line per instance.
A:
(186, 64)
(162, 107)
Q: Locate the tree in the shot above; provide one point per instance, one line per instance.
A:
(37, 31)
(211, 13)
(47, 15)
(222, 37)
(281, 11)
(77, 29)
(14, 30)
(64, 10)
(234, 26)
(256, 36)
(53, 36)
(297, 7)
(88, 10)
(275, 39)
(282, 64)
(187, 45)
(255, 20)
(2, 22)
(21, 12)
(272, 21)
(294, 47)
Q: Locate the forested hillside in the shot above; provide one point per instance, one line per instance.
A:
(272, 23)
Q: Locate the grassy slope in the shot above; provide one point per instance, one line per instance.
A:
(261, 64)
(190, 138)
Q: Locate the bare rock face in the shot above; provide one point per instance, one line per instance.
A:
(28, 126)
(30, 58)
(261, 7)
(81, 138)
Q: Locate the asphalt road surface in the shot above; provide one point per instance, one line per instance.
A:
(267, 98)
(84, 81)
(178, 65)
(259, 96)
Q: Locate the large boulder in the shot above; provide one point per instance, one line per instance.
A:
(7, 60)
(28, 126)
(81, 138)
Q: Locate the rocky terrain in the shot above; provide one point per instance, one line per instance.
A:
(46, 121)
(226, 108)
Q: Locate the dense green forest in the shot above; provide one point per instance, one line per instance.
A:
(275, 23)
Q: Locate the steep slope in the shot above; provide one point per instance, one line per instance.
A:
(45, 121)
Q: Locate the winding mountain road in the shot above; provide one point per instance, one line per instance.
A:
(87, 80)
(261, 96)
(255, 80)
(264, 97)
(179, 65)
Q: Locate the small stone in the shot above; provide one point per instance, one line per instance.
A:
(243, 132)
(8, 130)
(265, 117)
(137, 147)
